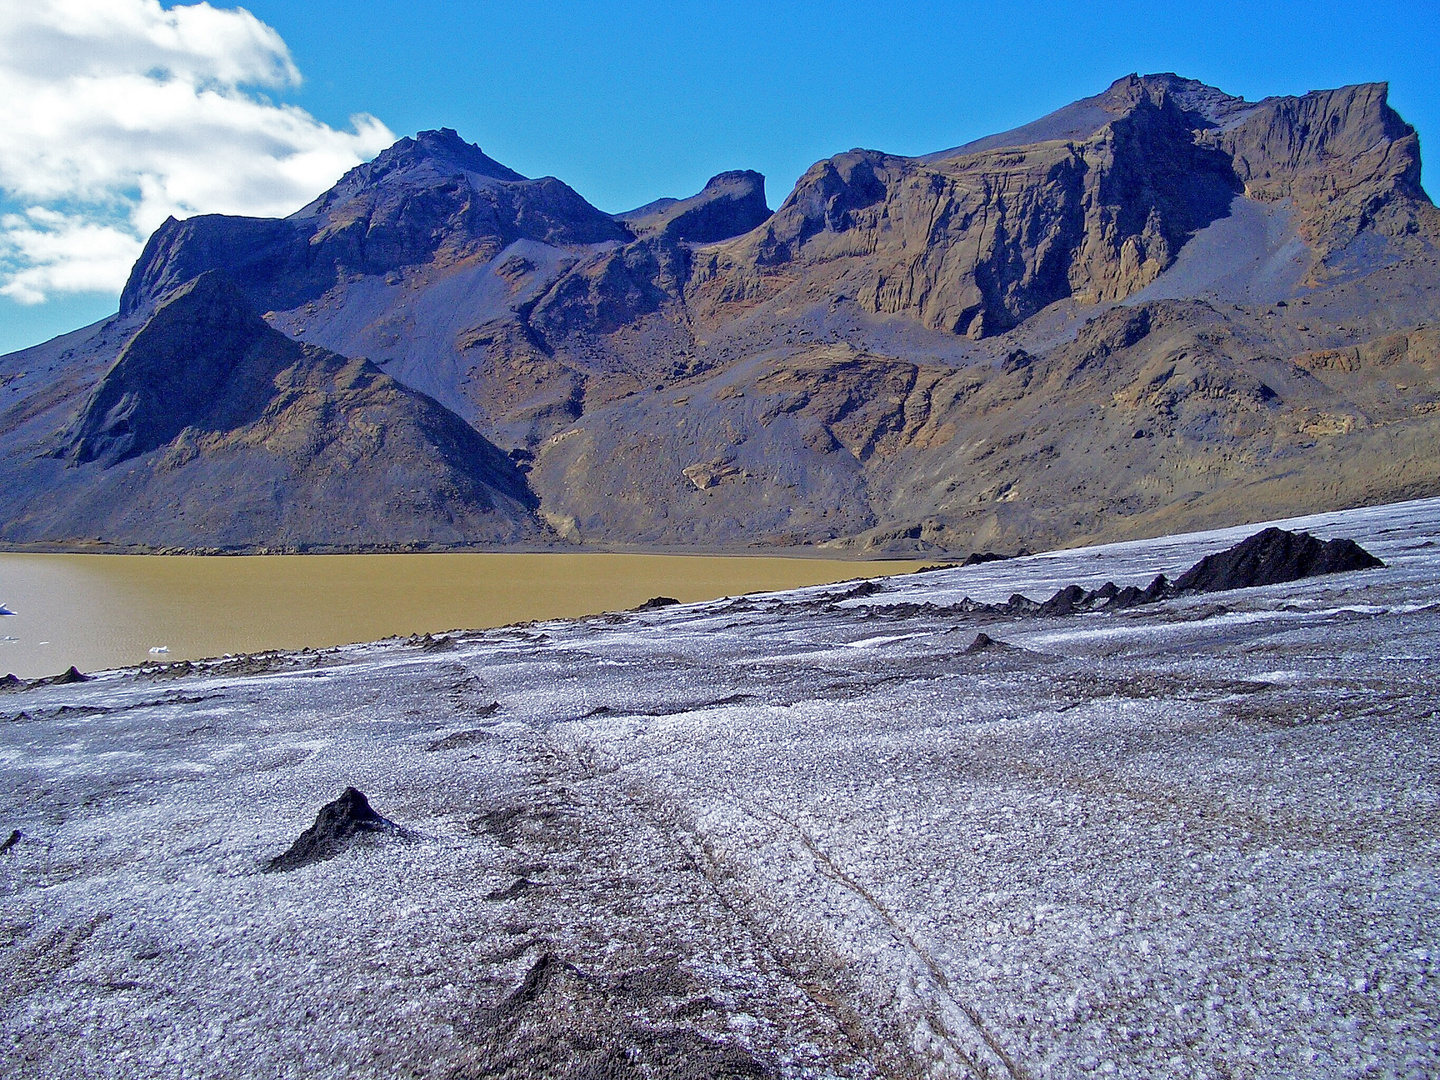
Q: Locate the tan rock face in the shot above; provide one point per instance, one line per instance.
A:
(977, 243)
(1344, 158)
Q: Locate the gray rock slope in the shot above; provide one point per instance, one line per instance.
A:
(1161, 307)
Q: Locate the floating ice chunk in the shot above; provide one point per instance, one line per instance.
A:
(156, 650)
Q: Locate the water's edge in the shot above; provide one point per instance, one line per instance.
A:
(103, 611)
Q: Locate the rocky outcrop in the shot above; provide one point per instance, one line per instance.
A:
(338, 825)
(1095, 206)
(1270, 557)
(1273, 556)
(610, 290)
(730, 204)
(977, 243)
(618, 286)
(1344, 158)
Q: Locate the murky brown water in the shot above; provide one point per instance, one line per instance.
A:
(106, 611)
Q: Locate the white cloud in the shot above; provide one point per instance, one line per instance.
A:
(50, 252)
(115, 114)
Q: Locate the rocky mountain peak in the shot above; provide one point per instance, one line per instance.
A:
(1204, 105)
(414, 161)
(745, 179)
(429, 201)
(444, 145)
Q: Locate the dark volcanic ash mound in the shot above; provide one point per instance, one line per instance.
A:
(336, 827)
(1271, 557)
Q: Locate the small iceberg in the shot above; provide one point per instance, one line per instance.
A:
(5, 610)
(156, 650)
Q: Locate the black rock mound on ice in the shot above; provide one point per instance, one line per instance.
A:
(336, 827)
(68, 677)
(1271, 557)
(983, 642)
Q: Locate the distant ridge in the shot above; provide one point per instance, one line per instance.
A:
(1079, 120)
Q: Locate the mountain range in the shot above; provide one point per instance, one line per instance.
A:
(1160, 308)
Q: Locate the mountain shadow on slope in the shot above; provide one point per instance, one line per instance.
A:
(212, 429)
(203, 361)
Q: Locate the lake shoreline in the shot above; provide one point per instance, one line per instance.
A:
(839, 553)
(101, 612)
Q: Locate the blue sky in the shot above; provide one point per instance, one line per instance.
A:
(627, 102)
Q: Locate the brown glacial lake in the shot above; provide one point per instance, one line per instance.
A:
(107, 611)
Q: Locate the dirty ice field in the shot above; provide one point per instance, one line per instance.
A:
(797, 835)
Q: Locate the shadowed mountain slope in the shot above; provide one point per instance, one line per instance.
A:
(213, 430)
(1163, 307)
(730, 204)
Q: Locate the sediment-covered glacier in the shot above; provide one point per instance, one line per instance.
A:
(808, 834)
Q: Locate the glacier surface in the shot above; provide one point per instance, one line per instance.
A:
(805, 834)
